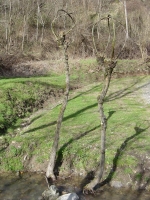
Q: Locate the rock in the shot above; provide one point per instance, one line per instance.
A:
(40, 198)
(69, 196)
(116, 184)
(51, 193)
(53, 189)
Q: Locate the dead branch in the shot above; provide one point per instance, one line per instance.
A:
(62, 36)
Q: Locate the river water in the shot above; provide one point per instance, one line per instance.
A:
(31, 185)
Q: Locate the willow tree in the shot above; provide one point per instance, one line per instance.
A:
(64, 44)
(107, 64)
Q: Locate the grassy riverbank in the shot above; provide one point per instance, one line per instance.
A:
(28, 146)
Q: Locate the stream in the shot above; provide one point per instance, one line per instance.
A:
(32, 185)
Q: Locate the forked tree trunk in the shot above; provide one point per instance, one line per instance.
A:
(51, 164)
(108, 69)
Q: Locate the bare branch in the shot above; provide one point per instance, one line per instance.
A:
(69, 15)
(124, 44)
(61, 37)
(113, 42)
(95, 49)
(108, 41)
(52, 27)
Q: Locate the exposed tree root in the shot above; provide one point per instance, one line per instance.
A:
(50, 174)
(89, 188)
(49, 181)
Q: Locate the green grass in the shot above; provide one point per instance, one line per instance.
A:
(88, 62)
(128, 121)
(21, 96)
(127, 132)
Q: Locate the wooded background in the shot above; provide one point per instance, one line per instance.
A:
(25, 26)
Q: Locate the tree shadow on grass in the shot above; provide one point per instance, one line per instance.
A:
(59, 160)
(69, 116)
(116, 95)
(110, 113)
(86, 92)
(126, 91)
(118, 154)
(64, 119)
(24, 124)
(60, 152)
(113, 96)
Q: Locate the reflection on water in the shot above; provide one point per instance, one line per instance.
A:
(31, 186)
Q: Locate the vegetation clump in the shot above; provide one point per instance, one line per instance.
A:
(20, 97)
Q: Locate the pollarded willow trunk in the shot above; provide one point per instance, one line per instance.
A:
(51, 164)
(108, 69)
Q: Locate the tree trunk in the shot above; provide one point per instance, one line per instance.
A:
(108, 67)
(126, 19)
(24, 32)
(51, 164)
(37, 22)
(6, 30)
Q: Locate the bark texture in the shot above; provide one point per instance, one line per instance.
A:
(108, 67)
(61, 40)
(51, 164)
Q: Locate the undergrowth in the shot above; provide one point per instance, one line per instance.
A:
(21, 96)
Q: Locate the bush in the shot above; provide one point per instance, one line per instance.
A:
(20, 99)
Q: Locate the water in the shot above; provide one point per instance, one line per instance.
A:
(31, 186)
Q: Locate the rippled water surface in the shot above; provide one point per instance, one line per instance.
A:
(31, 186)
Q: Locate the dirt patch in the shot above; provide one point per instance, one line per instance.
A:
(146, 93)
(33, 165)
(26, 66)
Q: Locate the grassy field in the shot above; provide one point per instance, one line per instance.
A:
(128, 138)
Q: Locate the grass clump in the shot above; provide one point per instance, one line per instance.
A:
(21, 96)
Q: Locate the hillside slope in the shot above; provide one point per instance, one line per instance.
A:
(127, 134)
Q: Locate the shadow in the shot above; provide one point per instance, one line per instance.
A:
(124, 92)
(60, 152)
(69, 116)
(11, 182)
(64, 119)
(120, 150)
(28, 80)
(35, 118)
(110, 97)
(90, 174)
(86, 92)
(110, 113)
(24, 123)
(87, 179)
(27, 122)
(3, 131)
(3, 149)
(40, 127)
(118, 154)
